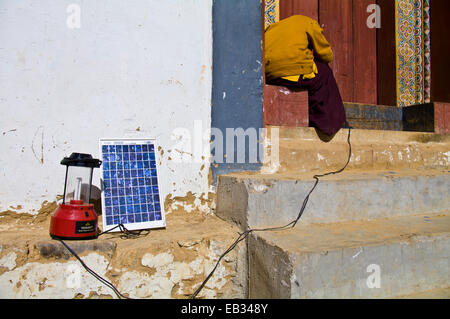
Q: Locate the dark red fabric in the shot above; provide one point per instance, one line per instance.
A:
(326, 109)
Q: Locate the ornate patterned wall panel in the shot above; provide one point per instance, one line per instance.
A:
(413, 52)
(272, 12)
(427, 50)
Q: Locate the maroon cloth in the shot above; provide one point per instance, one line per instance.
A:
(326, 110)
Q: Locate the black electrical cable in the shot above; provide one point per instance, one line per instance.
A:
(125, 234)
(292, 224)
(93, 273)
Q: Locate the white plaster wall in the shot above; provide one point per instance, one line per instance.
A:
(133, 68)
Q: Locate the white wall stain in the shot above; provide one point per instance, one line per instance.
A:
(61, 93)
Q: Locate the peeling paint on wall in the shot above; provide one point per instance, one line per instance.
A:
(204, 203)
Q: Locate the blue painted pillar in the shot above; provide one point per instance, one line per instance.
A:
(237, 90)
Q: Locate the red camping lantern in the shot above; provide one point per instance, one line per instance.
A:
(75, 218)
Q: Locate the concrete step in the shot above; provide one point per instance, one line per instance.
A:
(256, 200)
(371, 259)
(301, 150)
(440, 293)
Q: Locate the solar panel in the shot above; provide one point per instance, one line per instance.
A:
(130, 186)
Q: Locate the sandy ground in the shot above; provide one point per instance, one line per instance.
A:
(187, 237)
(180, 226)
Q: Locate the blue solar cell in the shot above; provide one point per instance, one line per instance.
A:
(130, 181)
(129, 200)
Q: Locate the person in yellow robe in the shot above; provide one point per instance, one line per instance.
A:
(297, 54)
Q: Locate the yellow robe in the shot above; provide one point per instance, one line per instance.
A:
(291, 46)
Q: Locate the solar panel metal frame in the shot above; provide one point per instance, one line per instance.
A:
(135, 225)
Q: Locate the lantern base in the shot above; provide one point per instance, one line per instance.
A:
(72, 238)
(76, 221)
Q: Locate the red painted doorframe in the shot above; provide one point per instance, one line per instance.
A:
(308, 8)
(353, 42)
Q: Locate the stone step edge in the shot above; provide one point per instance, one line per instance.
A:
(353, 174)
(242, 199)
(395, 229)
(279, 271)
(359, 136)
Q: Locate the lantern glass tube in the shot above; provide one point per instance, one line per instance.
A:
(78, 184)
